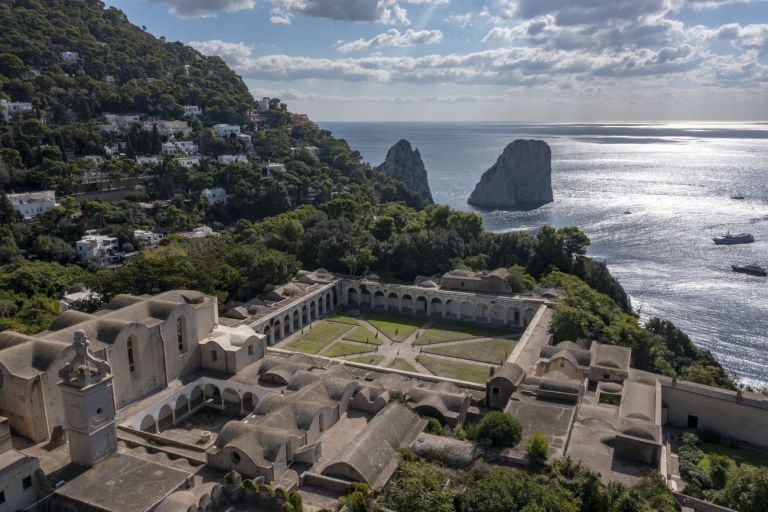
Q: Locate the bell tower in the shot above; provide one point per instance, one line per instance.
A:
(89, 405)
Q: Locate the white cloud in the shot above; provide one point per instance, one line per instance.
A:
(204, 8)
(388, 12)
(234, 53)
(393, 37)
(296, 95)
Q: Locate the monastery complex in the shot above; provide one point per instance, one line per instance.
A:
(168, 403)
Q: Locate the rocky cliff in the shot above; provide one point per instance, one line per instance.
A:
(520, 178)
(404, 164)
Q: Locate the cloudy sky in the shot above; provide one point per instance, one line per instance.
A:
(492, 60)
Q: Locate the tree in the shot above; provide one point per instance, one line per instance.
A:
(499, 430)
(537, 449)
(519, 280)
(52, 248)
(746, 490)
(419, 487)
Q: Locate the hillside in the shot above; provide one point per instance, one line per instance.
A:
(120, 67)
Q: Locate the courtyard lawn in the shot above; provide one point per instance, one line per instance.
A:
(399, 363)
(486, 351)
(341, 348)
(322, 334)
(455, 369)
(440, 332)
(367, 359)
(395, 327)
(343, 319)
(362, 335)
(737, 457)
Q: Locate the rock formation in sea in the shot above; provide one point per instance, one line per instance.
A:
(404, 164)
(521, 178)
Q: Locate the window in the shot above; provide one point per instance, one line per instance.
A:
(26, 483)
(693, 421)
(131, 361)
(180, 335)
(495, 390)
(2, 496)
(214, 356)
(250, 350)
(235, 457)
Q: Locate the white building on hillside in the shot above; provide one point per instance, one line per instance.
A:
(226, 130)
(149, 239)
(192, 110)
(228, 159)
(70, 57)
(214, 195)
(148, 160)
(11, 108)
(175, 147)
(188, 161)
(198, 232)
(103, 249)
(168, 127)
(264, 104)
(30, 204)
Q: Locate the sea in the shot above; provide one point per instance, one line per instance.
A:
(650, 196)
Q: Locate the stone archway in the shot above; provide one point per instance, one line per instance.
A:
(436, 308)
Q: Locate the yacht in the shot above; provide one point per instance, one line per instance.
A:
(729, 239)
(753, 269)
(738, 197)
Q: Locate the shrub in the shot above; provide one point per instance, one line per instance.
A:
(406, 454)
(459, 431)
(538, 446)
(499, 430)
(434, 427)
(719, 467)
(287, 507)
(296, 501)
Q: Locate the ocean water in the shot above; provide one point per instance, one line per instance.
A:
(676, 180)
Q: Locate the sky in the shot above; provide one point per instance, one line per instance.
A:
(492, 60)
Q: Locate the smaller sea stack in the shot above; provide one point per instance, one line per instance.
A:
(404, 164)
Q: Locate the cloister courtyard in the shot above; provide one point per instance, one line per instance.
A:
(452, 349)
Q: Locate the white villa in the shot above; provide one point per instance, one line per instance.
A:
(188, 161)
(11, 108)
(226, 130)
(214, 195)
(30, 204)
(149, 239)
(103, 249)
(192, 110)
(70, 57)
(229, 159)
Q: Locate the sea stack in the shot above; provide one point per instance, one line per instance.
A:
(521, 178)
(404, 164)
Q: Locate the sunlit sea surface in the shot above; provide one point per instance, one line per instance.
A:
(676, 180)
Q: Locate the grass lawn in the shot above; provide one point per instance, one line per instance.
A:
(395, 327)
(487, 351)
(367, 359)
(399, 363)
(343, 319)
(441, 332)
(362, 335)
(737, 457)
(341, 348)
(455, 369)
(322, 334)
